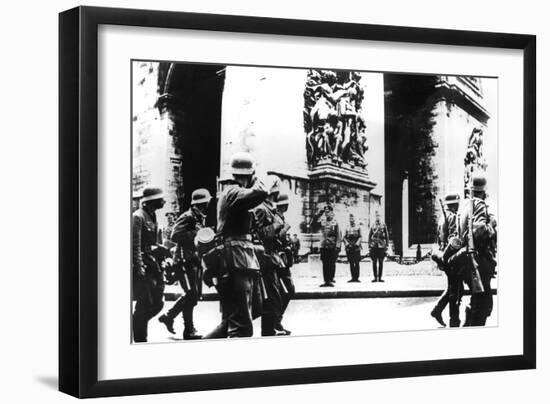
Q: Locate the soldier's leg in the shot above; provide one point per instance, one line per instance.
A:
(157, 300)
(257, 299)
(380, 266)
(142, 310)
(487, 268)
(285, 278)
(239, 317)
(455, 290)
(482, 303)
(374, 258)
(272, 306)
(220, 331)
(334, 257)
(443, 300)
(191, 299)
(178, 307)
(325, 259)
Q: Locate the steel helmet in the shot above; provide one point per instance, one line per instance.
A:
(452, 198)
(282, 200)
(479, 182)
(201, 195)
(242, 163)
(151, 193)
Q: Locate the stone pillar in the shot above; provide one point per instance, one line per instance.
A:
(405, 216)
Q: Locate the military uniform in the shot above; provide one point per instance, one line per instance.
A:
(236, 284)
(447, 228)
(148, 285)
(187, 258)
(267, 226)
(331, 242)
(484, 237)
(286, 251)
(378, 244)
(352, 238)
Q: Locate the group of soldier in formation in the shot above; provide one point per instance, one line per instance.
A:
(467, 237)
(248, 258)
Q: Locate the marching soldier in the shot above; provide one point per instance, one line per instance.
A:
(287, 252)
(447, 233)
(236, 279)
(187, 258)
(483, 227)
(268, 227)
(147, 263)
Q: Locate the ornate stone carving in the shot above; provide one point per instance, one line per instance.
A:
(333, 122)
(474, 159)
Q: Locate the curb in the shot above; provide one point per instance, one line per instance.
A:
(339, 294)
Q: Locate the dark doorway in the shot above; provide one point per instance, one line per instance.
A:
(409, 102)
(196, 102)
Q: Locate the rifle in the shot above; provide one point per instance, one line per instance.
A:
(446, 222)
(471, 263)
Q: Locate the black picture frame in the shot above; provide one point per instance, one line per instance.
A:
(78, 196)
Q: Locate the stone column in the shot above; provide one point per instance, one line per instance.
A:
(405, 216)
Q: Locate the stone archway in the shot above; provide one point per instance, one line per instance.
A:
(190, 104)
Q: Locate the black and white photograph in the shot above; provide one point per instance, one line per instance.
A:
(278, 202)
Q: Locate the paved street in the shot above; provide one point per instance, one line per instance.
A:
(329, 316)
(419, 280)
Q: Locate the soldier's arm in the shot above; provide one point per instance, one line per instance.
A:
(316, 217)
(137, 260)
(345, 238)
(247, 198)
(360, 239)
(338, 237)
(184, 229)
(265, 229)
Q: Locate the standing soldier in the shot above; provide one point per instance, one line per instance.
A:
(378, 245)
(268, 225)
(148, 285)
(483, 227)
(331, 243)
(352, 243)
(447, 233)
(235, 281)
(187, 258)
(286, 251)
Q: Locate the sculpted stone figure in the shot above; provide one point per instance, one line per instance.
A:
(332, 118)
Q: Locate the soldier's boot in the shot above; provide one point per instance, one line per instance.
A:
(168, 322)
(189, 331)
(268, 325)
(280, 330)
(454, 323)
(468, 319)
(436, 313)
(139, 326)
